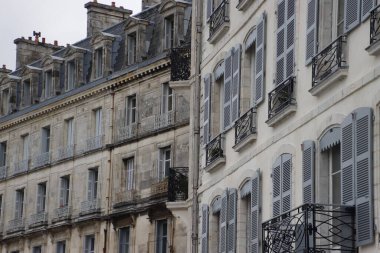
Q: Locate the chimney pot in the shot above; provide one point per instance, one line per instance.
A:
(113, 4)
(95, 1)
(43, 40)
(4, 66)
(121, 7)
(56, 43)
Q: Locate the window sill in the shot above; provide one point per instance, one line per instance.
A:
(243, 5)
(284, 113)
(374, 48)
(322, 85)
(216, 164)
(219, 33)
(243, 143)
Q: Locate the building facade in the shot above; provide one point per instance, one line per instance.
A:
(94, 136)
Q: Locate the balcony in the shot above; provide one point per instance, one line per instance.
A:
(65, 153)
(38, 219)
(90, 206)
(127, 132)
(3, 172)
(214, 153)
(164, 120)
(245, 129)
(21, 167)
(41, 160)
(62, 213)
(374, 46)
(281, 102)
(329, 66)
(311, 228)
(16, 225)
(124, 197)
(219, 21)
(94, 143)
(180, 59)
(174, 186)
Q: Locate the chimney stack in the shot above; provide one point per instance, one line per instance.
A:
(148, 3)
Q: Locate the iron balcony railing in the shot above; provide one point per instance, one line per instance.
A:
(127, 132)
(38, 219)
(94, 143)
(214, 149)
(329, 60)
(41, 160)
(219, 17)
(180, 59)
(3, 172)
(245, 125)
(63, 213)
(311, 228)
(375, 25)
(16, 225)
(90, 206)
(164, 120)
(281, 97)
(65, 152)
(178, 183)
(21, 167)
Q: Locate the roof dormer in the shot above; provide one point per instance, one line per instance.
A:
(51, 76)
(31, 83)
(135, 41)
(75, 73)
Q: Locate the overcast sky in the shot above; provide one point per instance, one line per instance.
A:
(62, 20)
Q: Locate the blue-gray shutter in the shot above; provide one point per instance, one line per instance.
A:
(290, 32)
(351, 14)
(367, 6)
(207, 109)
(347, 161)
(260, 60)
(255, 213)
(231, 226)
(276, 191)
(363, 163)
(223, 223)
(286, 183)
(281, 36)
(227, 91)
(311, 30)
(204, 237)
(235, 83)
(308, 162)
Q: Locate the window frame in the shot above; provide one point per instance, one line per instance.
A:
(93, 185)
(129, 167)
(127, 244)
(131, 110)
(99, 62)
(163, 162)
(64, 193)
(45, 139)
(169, 33)
(41, 197)
(48, 83)
(132, 52)
(89, 240)
(160, 227)
(71, 74)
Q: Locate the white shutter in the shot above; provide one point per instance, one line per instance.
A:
(286, 183)
(207, 109)
(231, 227)
(290, 37)
(276, 189)
(255, 213)
(347, 161)
(311, 29)
(227, 91)
(308, 161)
(223, 224)
(351, 14)
(367, 6)
(204, 238)
(281, 36)
(235, 83)
(260, 60)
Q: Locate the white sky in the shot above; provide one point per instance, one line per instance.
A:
(62, 20)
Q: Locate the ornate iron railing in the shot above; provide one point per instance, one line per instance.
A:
(281, 97)
(41, 160)
(38, 219)
(16, 225)
(127, 132)
(329, 60)
(214, 149)
(124, 197)
(65, 152)
(180, 59)
(164, 120)
(245, 125)
(3, 172)
(375, 25)
(94, 143)
(90, 206)
(219, 17)
(63, 213)
(311, 228)
(178, 184)
(21, 167)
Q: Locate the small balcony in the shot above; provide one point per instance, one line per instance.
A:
(62, 213)
(215, 153)
(64, 153)
(38, 219)
(219, 21)
(180, 59)
(281, 102)
(3, 172)
(329, 66)
(94, 143)
(374, 35)
(16, 225)
(127, 132)
(21, 167)
(124, 197)
(90, 206)
(42, 160)
(311, 228)
(174, 186)
(164, 120)
(245, 129)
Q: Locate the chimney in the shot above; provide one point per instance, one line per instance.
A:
(148, 3)
(102, 16)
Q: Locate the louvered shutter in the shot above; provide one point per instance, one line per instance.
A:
(308, 161)
(227, 91)
(260, 60)
(286, 183)
(223, 224)
(280, 52)
(367, 6)
(236, 83)
(351, 14)
(311, 29)
(276, 191)
(363, 162)
(255, 213)
(231, 214)
(207, 109)
(209, 9)
(204, 238)
(347, 161)
(290, 37)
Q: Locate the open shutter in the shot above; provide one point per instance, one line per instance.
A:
(204, 239)
(367, 6)
(363, 162)
(286, 183)
(223, 224)
(308, 161)
(209, 9)
(311, 29)
(231, 227)
(255, 213)
(276, 191)
(207, 109)
(351, 14)
(227, 91)
(290, 37)
(260, 60)
(236, 82)
(280, 52)
(347, 161)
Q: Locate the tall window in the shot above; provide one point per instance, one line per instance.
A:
(5, 100)
(19, 204)
(64, 191)
(27, 93)
(69, 132)
(98, 122)
(124, 234)
(3, 154)
(169, 32)
(162, 236)
(129, 169)
(48, 83)
(61, 247)
(41, 197)
(167, 99)
(131, 110)
(37, 249)
(99, 63)
(92, 193)
(45, 140)
(164, 163)
(71, 75)
(89, 244)
(25, 147)
(1, 205)
(131, 42)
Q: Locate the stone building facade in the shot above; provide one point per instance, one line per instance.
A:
(94, 136)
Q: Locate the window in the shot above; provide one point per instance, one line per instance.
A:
(69, 132)
(61, 247)
(26, 93)
(124, 240)
(1, 205)
(129, 168)
(131, 42)
(246, 204)
(45, 140)
(98, 62)
(48, 83)
(282, 182)
(169, 32)
(64, 191)
(37, 249)
(164, 163)
(92, 184)
(89, 244)
(212, 5)
(161, 236)
(3, 154)
(25, 147)
(98, 122)
(5, 100)
(41, 197)
(71, 75)
(19, 205)
(167, 99)
(131, 110)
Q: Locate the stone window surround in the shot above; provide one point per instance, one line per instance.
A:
(76, 56)
(122, 179)
(102, 41)
(54, 65)
(138, 27)
(31, 75)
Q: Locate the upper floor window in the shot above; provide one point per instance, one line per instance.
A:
(71, 75)
(164, 163)
(64, 191)
(99, 63)
(19, 204)
(169, 32)
(3, 154)
(282, 186)
(167, 99)
(61, 247)
(131, 110)
(69, 123)
(124, 237)
(26, 96)
(1, 205)
(129, 171)
(5, 102)
(131, 43)
(98, 122)
(41, 197)
(48, 83)
(37, 249)
(92, 188)
(162, 236)
(89, 244)
(45, 140)
(25, 147)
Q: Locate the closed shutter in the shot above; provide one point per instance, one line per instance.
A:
(347, 161)
(286, 182)
(204, 238)
(255, 213)
(260, 60)
(209, 9)
(223, 224)
(351, 14)
(207, 109)
(227, 91)
(367, 6)
(290, 37)
(311, 30)
(280, 52)
(231, 227)
(235, 83)
(276, 190)
(308, 161)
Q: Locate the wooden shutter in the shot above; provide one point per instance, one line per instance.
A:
(311, 30)
(364, 186)
(276, 190)
(280, 50)
(223, 224)
(204, 238)
(231, 214)
(367, 6)
(308, 162)
(351, 14)
(227, 91)
(290, 37)
(286, 169)
(235, 83)
(260, 60)
(255, 213)
(347, 161)
(207, 109)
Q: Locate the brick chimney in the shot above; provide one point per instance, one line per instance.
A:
(102, 16)
(148, 3)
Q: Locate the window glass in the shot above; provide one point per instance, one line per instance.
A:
(124, 240)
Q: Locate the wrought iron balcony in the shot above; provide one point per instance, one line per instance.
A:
(219, 17)
(16, 225)
(178, 183)
(281, 97)
(124, 197)
(329, 60)
(21, 167)
(245, 125)
(65, 152)
(41, 160)
(62, 213)
(127, 132)
(94, 143)
(90, 206)
(38, 219)
(375, 25)
(180, 59)
(311, 228)
(159, 187)
(3, 172)
(214, 149)
(164, 120)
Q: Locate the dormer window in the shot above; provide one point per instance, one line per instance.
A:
(98, 62)
(48, 83)
(131, 40)
(71, 78)
(5, 102)
(169, 32)
(26, 93)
